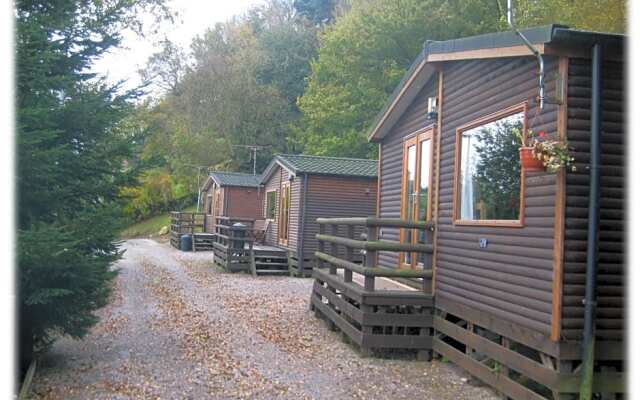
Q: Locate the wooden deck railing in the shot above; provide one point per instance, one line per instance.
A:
(184, 223)
(370, 246)
(369, 316)
(233, 244)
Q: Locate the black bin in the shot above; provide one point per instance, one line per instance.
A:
(186, 243)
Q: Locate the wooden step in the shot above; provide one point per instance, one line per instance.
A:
(272, 272)
(277, 254)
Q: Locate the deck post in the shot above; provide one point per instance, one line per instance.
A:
(319, 262)
(252, 259)
(334, 249)
(370, 258)
(348, 274)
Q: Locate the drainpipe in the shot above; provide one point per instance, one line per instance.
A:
(533, 50)
(302, 201)
(588, 333)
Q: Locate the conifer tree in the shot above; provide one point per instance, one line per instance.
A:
(69, 169)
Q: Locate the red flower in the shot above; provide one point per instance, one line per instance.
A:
(541, 134)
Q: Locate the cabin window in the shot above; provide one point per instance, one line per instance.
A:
(209, 204)
(488, 175)
(416, 191)
(271, 205)
(285, 206)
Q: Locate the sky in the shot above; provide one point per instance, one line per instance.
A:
(195, 16)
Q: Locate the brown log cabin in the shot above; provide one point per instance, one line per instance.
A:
(506, 252)
(230, 194)
(299, 189)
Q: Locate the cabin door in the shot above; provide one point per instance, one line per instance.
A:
(285, 209)
(416, 192)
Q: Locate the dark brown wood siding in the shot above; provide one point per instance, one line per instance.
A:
(413, 120)
(610, 311)
(243, 202)
(512, 277)
(330, 196)
(279, 176)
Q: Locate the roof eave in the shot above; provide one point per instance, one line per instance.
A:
(206, 185)
(549, 39)
(271, 168)
(342, 175)
(406, 94)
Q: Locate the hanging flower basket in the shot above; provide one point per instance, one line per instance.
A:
(538, 154)
(529, 162)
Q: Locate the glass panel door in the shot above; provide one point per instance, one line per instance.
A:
(285, 205)
(409, 196)
(416, 193)
(423, 206)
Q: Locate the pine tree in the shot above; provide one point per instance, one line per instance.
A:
(70, 155)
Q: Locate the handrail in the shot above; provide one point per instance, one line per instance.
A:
(374, 222)
(237, 219)
(369, 248)
(234, 239)
(231, 227)
(376, 245)
(374, 271)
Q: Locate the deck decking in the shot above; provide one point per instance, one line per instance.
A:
(234, 249)
(189, 223)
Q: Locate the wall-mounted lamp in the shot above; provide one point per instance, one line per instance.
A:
(432, 108)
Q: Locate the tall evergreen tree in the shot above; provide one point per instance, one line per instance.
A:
(70, 155)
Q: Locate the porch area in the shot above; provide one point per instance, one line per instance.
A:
(359, 300)
(189, 223)
(235, 249)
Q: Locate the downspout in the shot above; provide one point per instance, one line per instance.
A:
(303, 217)
(225, 202)
(588, 333)
(533, 50)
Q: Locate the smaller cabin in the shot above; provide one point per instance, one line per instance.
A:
(230, 194)
(299, 189)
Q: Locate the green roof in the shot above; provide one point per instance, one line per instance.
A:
(235, 179)
(323, 165)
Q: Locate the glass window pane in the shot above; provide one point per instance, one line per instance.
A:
(425, 174)
(423, 193)
(271, 205)
(489, 181)
(411, 180)
(410, 185)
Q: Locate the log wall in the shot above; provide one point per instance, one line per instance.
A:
(611, 277)
(335, 197)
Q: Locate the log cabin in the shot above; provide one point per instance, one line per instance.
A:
(230, 194)
(502, 254)
(299, 189)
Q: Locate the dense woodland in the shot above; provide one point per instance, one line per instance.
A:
(299, 76)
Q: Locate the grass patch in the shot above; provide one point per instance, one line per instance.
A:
(151, 226)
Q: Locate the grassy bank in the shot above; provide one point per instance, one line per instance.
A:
(151, 226)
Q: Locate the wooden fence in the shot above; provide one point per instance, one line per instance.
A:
(371, 317)
(182, 223)
(233, 244)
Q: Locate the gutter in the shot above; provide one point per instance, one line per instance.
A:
(302, 219)
(588, 333)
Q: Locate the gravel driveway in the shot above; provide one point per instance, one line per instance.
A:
(179, 329)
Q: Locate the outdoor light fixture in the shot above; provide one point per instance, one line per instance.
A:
(432, 108)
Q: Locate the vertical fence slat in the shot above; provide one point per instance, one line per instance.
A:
(348, 274)
(334, 249)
